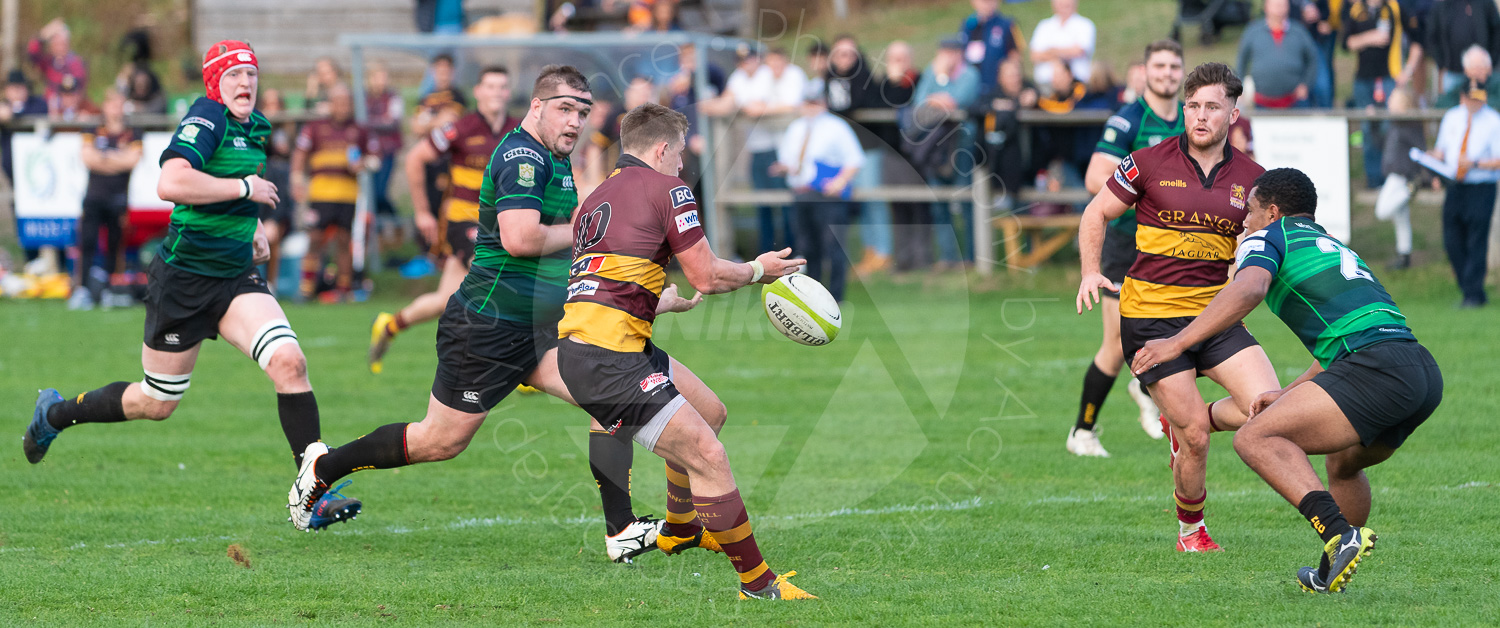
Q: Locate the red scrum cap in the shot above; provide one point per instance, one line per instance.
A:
(221, 58)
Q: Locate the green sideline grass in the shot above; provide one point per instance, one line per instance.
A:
(913, 472)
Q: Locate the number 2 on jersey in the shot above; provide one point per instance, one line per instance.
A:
(1348, 261)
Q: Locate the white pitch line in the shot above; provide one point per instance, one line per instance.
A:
(488, 522)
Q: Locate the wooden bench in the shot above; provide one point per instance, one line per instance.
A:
(1041, 244)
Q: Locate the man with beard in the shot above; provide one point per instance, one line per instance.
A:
(500, 327)
(1190, 196)
(1154, 116)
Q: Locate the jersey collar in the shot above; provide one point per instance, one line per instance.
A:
(1152, 112)
(1208, 179)
(627, 160)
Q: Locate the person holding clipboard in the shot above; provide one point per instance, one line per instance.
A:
(819, 154)
(1467, 155)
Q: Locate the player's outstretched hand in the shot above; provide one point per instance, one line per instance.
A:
(263, 191)
(1263, 401)
(1155, 352)
(671, 302)
(1088, 290)
(778, 265)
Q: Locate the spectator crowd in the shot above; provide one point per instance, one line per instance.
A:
(809, 120)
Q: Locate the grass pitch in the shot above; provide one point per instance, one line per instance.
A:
(913, 472)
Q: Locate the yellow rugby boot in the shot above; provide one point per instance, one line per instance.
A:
(779, 589)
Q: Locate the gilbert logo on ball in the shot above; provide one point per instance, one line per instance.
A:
(802, 309)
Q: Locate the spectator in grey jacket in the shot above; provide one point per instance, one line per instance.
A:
(1279, 54)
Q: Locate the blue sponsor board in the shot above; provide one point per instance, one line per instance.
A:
(39, 232)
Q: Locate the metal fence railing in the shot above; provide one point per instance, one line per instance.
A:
(981, 191)
(723, 188)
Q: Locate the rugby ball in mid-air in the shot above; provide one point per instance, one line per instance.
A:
(802, 309)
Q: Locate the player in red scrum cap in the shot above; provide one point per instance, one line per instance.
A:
(204, 281)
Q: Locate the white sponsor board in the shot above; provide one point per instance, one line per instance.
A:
(143, 179)
(1319, 147)
(50, 177)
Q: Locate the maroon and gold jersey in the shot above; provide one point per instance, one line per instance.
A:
(468, 144)
(1188, 222)
(625, 234)
(329, 146)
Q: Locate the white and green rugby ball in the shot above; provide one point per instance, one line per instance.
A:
(802, 309)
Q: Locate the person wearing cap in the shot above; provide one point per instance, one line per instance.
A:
(203, 280)
(1468, 140)
(19, 103)
(946, 86)
(820, 155)
(72, 104)
(52, 53)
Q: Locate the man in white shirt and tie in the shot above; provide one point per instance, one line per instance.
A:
(819, 154)
(1468, 140)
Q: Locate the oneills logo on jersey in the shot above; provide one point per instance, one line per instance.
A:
(587, 265)
(681, 195)
(1174, 183)
(653, 382)
(1237, 196)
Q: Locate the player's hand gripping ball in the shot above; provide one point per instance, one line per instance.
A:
(802, 309)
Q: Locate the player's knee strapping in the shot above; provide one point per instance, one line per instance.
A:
(164, 387)
(271, 337)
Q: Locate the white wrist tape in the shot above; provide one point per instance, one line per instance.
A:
(249, 189)
(759, 270)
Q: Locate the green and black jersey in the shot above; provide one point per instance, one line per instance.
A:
(522, 175)
(1322, 290)
(215, 239)
(1133, 127)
